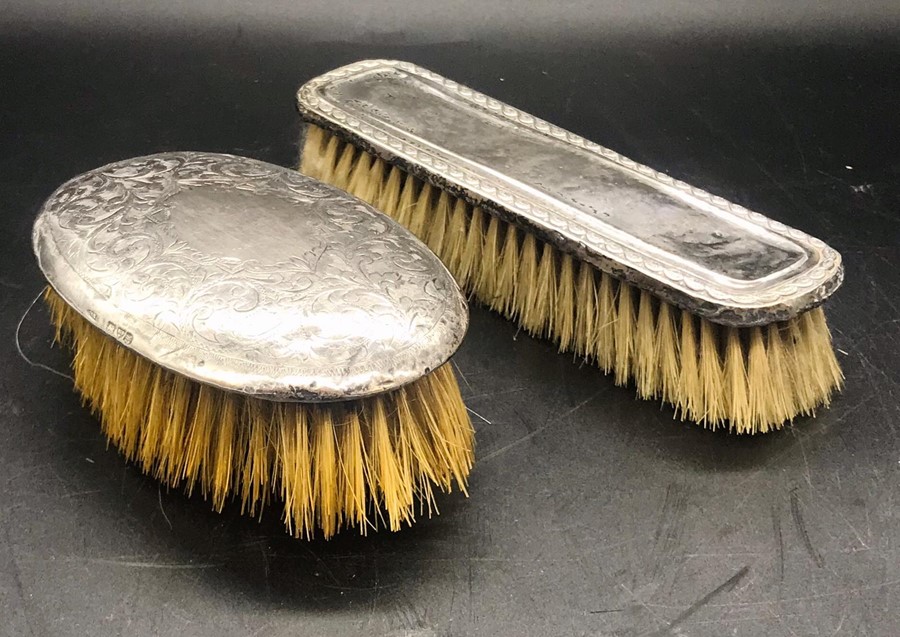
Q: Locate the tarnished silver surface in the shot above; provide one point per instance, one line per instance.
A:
(249, 277)
(696, 250)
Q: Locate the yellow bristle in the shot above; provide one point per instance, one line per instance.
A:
(623, 335)
(736, 397)
(200, 434)
(331, 465)
(329, 159)
(416, 443)
(545, 304)
(377, 181)
(764, 396)
(435, 231)
(826, 375)
(710, 373)
(646, 359)
(114, 422)
(784, 402)
(486, 287)
(137, 401)
(505, 298)
(527, 301)
(439, 408)
(796, 351)
(410, 196)
(690, 389)
(421, 213)
(359, 181)
(471, 254)
(257, 462)
(390, 193)
(421, 450)
(223, 460)
(667, 353)
(585, 312)
(343, 168)
(385, 467)
(564, 316)
(156, 421)
(325, 470)
(455, 240)
(604, 337)
(712, 380)
(352, 468)
(173, 440)
(316, 140)
(296, 465)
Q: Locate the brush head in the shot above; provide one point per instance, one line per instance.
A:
(687, 247)
(249, 277)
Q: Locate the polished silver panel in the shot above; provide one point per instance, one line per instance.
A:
(249, 277)
(698, 251)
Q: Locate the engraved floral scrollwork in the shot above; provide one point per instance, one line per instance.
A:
(250, 276)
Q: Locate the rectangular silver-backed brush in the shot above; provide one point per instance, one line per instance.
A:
(697, 251)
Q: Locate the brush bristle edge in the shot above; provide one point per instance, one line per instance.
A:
(748, 380)
(368, 463)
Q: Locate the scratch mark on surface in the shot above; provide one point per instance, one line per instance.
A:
(799, 522)
(779, 542)
(17, 577)
(799, 440)
(845, 592)
(172, 566)
(324, 565)
(668, 530)
(161, 509)
(531, 434)
(470, 578)
(375, 591)
(76, 494)
(836, 511)
(12, 286)
(493, 394)
(840, 623)
(264, 628)
(643, 604)
(781, 621)
(868, 523)
(265, 562)
(724, 587)
(789, 126)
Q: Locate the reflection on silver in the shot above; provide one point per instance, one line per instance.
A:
(249, 277)
(698, 251)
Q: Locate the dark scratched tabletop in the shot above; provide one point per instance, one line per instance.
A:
(590, 513)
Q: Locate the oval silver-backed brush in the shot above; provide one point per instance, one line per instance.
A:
(699, 301)
(241, 327)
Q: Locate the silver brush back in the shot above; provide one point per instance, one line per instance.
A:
(249, 277)
(697, 251)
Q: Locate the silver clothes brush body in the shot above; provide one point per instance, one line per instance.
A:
(258, 335)
(698, 301)
(697, 251)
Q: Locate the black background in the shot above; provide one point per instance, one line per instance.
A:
(590, 513)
